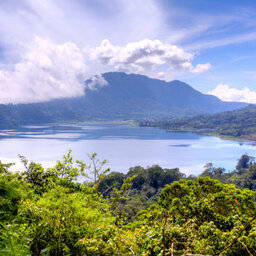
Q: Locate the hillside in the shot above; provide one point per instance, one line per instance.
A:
(125, 97)
(239, 123)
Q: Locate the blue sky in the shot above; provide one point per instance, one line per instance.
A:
(48, 48)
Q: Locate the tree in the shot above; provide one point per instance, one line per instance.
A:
(95, 169)
(61, 217)
(67, 171)
(244, 162)
(208, 217)
(39, 179)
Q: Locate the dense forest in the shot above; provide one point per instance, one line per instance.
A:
(148, 211)
(240, 123)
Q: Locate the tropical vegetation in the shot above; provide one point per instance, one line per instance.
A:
(148, 211)
(240, 124)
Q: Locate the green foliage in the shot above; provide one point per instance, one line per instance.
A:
(60, 218)
(14, 240)
(119, 197)
(244, 162)
(12, 190)
(66, 172)
(39, 179)
(47, 212)
(145, 188)
(4, 167)
(243, 177)
(209, 217)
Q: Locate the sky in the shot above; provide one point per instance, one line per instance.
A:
(49, 48)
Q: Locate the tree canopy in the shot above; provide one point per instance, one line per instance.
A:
(148, 211)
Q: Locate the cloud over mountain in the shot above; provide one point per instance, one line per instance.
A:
(226, 93)
(47, 71)
(160, 39)
(145, 55)
(96, 82)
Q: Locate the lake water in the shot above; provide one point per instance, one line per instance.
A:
(122, 145)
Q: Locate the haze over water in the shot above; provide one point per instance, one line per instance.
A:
(122, 145)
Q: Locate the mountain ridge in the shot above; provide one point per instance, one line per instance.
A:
(126, 97)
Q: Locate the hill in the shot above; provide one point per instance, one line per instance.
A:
(239, 123)
(125, 97)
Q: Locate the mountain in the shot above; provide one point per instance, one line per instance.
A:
(127, 96)
(141, 94)
(240, 124)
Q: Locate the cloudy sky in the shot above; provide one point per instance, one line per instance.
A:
(48, 48)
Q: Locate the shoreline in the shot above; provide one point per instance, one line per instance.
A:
(224, 137)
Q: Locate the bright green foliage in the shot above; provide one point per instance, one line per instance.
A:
(14, 240)
(110, 241)
(12, 190)
(66, 172)
(47, 212)
(208, 217)
(60, 218)
(4, 167)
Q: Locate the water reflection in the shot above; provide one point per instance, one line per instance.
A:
(92, 131)
(122, 145)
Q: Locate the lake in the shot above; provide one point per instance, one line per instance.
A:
(124, 146)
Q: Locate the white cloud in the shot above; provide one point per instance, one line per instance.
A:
(226, 93)
(96, 82)
(161, 75)
(145, 55)
(201, 68)
(47, 71)
(76, 20)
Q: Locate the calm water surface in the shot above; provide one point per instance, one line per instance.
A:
(122, 145)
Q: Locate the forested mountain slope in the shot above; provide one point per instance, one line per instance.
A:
(125, 97)
(239, 123)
